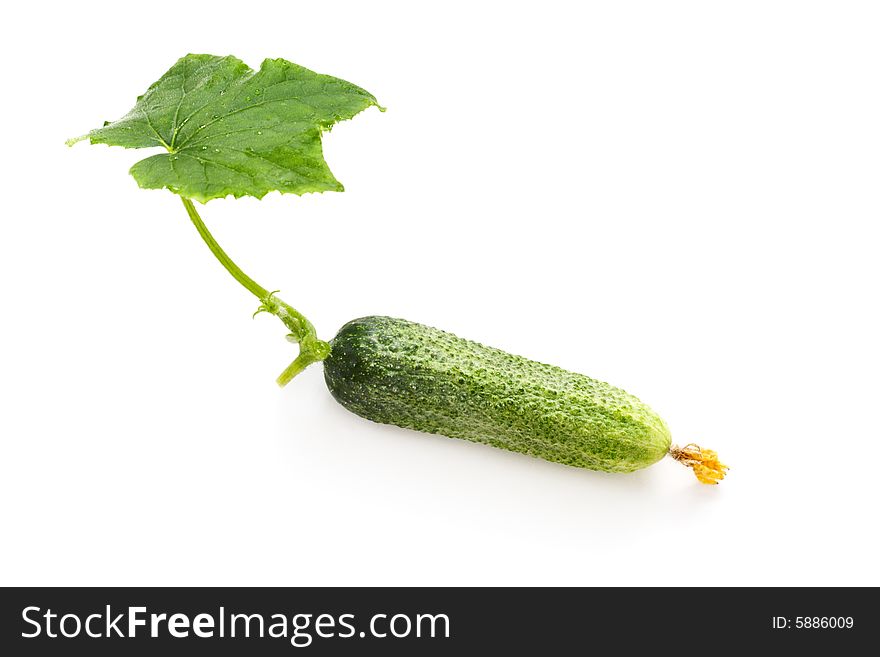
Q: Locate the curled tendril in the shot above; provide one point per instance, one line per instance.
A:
(268, 304)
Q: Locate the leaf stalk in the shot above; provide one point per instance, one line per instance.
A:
(311, 349)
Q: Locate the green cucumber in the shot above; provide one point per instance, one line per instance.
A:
(398, 372)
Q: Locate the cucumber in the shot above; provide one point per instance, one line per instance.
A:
(398, 372)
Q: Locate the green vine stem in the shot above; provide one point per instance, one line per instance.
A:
(311, 349)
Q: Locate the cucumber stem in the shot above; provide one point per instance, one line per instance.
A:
(311, 349)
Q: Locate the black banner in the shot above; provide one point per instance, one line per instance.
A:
(428, 621)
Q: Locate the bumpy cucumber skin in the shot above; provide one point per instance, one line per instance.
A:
(398, 372)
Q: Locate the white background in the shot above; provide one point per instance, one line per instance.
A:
(680, 198)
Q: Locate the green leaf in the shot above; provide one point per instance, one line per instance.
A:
(228, 129)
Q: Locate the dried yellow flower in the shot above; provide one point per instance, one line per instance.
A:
(704, 462)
